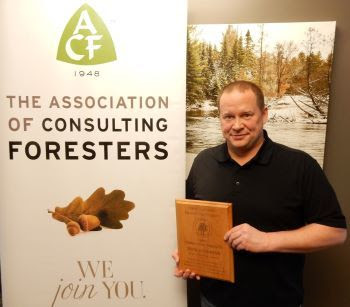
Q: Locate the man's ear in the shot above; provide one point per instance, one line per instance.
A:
(265, 115)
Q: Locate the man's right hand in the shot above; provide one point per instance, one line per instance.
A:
(180, 273)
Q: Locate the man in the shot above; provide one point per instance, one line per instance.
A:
(283, 206)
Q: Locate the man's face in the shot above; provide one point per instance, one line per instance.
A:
(241, 120)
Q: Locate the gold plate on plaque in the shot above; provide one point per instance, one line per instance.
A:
(201, 226)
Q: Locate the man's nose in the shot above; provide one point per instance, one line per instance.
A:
(237, 124)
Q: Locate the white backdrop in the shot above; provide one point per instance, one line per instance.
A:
(39, 259)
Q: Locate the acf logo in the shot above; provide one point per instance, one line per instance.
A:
(86, 40)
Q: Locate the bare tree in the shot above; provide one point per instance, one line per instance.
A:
(261, 70)
(318, 97)
(283, 56)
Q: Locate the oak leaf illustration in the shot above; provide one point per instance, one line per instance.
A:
(110, 209)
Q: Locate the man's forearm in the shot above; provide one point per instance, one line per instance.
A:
(309, 238)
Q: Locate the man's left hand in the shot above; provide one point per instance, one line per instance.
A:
(246, 237)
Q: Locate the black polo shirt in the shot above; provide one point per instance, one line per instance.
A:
(279, 189)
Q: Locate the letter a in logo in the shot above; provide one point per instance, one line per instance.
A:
(86, 40)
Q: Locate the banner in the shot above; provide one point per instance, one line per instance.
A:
(92, 151)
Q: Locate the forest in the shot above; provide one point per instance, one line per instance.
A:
(288, 69)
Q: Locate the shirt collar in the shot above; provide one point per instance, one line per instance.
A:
(262, 157)
(264, 154)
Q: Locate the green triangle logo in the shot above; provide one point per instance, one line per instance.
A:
(86, 40)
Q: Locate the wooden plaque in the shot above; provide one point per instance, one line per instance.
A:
(201, 226)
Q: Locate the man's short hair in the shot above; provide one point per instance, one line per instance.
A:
(242, 86)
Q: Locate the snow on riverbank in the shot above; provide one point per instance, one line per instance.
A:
(204, 106)
(283, 109)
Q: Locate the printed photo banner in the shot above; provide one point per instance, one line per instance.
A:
(291, 62)
(92, 151)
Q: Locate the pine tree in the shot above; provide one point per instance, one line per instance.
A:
(232, 68)
(214, 88)
(240, 55)
(208, 72)
(249, 57)
(228, 56)
(194, 76)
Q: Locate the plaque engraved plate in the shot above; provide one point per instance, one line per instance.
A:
(201, 226)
